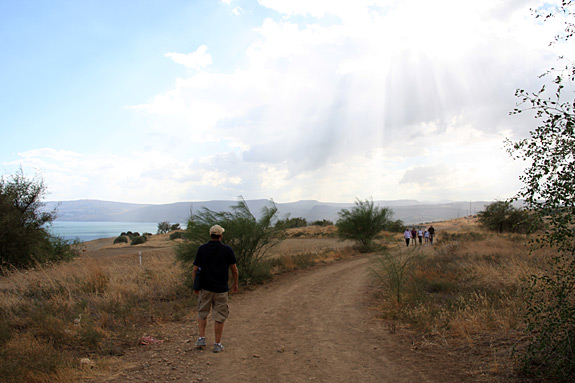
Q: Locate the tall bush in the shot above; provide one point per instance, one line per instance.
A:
(502, 216)
(550, 190)
(363, 223)
(250, 238)
(24, 238)
(163, 227)
(291, 223)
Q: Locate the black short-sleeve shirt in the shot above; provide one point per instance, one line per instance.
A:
(214, 259)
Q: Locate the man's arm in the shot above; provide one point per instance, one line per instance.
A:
(235, 277)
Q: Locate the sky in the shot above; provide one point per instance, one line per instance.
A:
(154, 101)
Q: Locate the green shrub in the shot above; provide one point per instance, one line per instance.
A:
(121, 239)
(363, 223)
(163, 227)
(130, 234)
(249, 237)
(551, 319)
(548, 191)
(177, 235)
(24, 238)
(291, 223)
(138, 240)
(396, 226)
(502, 217)
(323, 222)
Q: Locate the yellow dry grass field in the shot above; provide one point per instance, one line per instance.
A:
(464, 291)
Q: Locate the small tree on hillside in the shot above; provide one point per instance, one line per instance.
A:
(323, 222)
(250, 238)
(163, 227)
(24, 239)
(292, 223)
(396, 226)
(363, 223)
(502, 216)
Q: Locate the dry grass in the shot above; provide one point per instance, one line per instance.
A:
(312, 232)
(300, 260)
(90, 306)
(51, 318)
(466, 290)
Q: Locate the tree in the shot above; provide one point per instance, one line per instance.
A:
(163, 227)
(250, 238)
(549, 190)
(502, 216)
(24, 239)
(363, 223)
(292, 223)
(396, 226)
(323, 222)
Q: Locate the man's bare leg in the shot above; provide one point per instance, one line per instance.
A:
(202, 323)
(218, 329)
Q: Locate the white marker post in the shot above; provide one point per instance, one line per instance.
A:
(140, 254)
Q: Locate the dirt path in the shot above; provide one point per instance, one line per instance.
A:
(311, 326)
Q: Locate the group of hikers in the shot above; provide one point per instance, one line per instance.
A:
(421, 234)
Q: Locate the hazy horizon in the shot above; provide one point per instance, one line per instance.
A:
(268, 199)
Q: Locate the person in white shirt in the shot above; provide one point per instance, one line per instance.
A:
(407, 236)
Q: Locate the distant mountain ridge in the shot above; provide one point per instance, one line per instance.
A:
(409, 211)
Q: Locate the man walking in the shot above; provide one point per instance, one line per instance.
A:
(431, 231)
(211, 265)
(407, 236)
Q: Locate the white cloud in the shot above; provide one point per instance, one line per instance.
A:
(392, 100)
(195, 60)
(320, 8)
(428, 83)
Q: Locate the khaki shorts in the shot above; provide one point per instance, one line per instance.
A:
(217, 302)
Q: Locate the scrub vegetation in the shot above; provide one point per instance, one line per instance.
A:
(55, 318)
(25, 239)
(364, 223)
(467, 290)
(251, 238)
(478, 289)
(549, 192)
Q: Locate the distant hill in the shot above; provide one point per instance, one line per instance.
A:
(409, 211)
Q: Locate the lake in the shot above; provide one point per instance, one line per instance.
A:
(88, 231)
